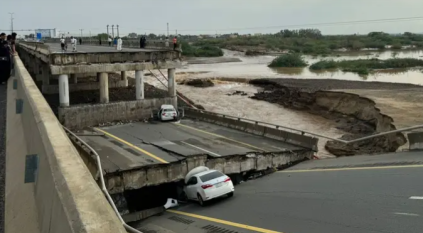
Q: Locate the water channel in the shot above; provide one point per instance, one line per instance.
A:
(218, 98)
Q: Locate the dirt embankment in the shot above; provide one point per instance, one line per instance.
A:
(357, 116)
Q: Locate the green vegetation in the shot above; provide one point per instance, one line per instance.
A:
(311, 41)
(288, 60)
(200, 51)
(365, 66)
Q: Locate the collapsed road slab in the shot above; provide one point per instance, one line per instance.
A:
(142, 154)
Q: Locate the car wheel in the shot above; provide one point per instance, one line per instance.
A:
(183, 197)
(231, 194)
(200, 200)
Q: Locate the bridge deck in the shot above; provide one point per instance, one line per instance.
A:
(55, 48)
(129, 146)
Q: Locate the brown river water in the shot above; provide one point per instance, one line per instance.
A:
(217, 99)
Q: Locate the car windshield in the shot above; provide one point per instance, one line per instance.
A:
(168, 110)
(211, 176)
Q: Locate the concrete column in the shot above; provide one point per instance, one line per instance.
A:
(139, 84)
(64, 90)
(45, 71)
(74, 79)
(171, 85)
(104, 88)
(124, 77)
(37, 70)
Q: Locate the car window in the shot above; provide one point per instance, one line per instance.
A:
(168, 110)
(211, 176)
(192, 180)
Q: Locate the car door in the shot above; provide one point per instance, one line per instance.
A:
(192, 188)
(159, 114)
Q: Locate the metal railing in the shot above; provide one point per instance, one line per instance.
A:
(314, 134)
(102, 183)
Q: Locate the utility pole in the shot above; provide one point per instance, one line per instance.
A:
(113, 31)
(117, 29)
(108, 35)
(167, 30)
(81, 31)
(11, 22)
(176, 32)
(90, 37)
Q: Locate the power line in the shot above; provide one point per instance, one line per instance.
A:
(386, 20)
(306, 25)
(11, 22)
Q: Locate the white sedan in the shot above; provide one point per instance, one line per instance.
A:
(167, 112)
(207, 185)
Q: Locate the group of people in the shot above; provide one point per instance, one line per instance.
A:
(7, 50)
(64, 43)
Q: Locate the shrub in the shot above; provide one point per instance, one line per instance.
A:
(288, 60)
(324, 65)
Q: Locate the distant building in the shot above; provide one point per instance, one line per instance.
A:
(48, 33)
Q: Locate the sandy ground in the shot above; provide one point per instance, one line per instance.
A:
(405, 106)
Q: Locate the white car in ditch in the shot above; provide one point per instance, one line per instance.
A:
(203, 184)
(167, 113)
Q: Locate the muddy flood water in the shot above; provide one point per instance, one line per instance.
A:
(256, 67)
(218, 98)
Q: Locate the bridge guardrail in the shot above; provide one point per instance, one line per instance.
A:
(36, 46)
(66, 199)
(303, 132)
(253, 127)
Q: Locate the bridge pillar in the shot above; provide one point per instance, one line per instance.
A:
(64, 90)
(104, 88)
(139, 84)
(45, 71)
(37, 70)
(74, 79)
(171, 85)
(124, 77)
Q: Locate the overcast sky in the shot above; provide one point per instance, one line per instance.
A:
(207, 17)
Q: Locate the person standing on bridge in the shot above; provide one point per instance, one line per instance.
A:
(119, 44)
(167, 42)
(4, 59)
(175, 42)
(110, 41)
(142, 42)
(73, 43)
(62, 43)
(80, 41)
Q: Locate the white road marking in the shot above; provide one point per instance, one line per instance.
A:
(212, 153)
(407, 214)
(416, 198)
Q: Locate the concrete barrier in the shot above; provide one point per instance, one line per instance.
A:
(253, 128)
(80, 116)
(54, 89)
(165, 173)
(66, 197)
(415, 140)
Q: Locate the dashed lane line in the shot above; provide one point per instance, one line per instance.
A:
(352, 168)
(220, 136)
(199, 148)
